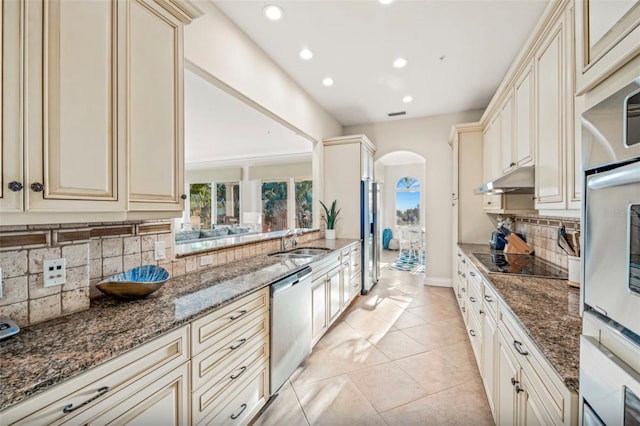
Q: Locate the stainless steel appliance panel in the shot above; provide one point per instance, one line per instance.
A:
(611, 129)
(608, 385)
(290, 325)
(612, 244)
(368, 234)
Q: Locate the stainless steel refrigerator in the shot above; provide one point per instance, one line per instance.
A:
(369, 215)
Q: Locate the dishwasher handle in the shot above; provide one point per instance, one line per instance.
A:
(290, 281)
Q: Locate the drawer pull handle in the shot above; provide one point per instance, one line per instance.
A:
(459, 296)
(473, 333)
(464, 276)
(518, 346)
(235, 317)
(472, 274)
(473, 299)
(481, 311)
(519, 389)
(514, 381)
(459, 255)
(69, 408)
(464, 309)
(242, 370)
(242, 408)
(237, 345)
(464, 290)
(488, 298)
(464, 260)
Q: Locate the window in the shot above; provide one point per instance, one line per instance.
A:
(274, 206)
(408, 201)
(227, 202)
(304, 203)
(200, 204)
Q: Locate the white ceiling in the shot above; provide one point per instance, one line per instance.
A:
(356, 41)
(222, 130)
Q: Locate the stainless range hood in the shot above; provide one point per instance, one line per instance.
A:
(519, 181)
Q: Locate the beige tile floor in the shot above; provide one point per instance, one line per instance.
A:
(398, 356)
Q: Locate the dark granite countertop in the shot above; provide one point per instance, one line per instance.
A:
(548, 311)
(45, 354)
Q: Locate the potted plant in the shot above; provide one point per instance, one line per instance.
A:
(330, 219)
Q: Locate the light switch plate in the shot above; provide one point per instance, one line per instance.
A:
(158, 250)
(55, 272)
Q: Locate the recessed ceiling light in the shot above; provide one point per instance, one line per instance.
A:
(400, 63)
(273, 12)
(385, 2)
(328, 81)
(306, 54)
(407, 99)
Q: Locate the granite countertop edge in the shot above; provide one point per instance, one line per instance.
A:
(561, 354)
(46, 354)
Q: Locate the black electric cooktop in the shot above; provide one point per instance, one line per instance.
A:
(519, 264)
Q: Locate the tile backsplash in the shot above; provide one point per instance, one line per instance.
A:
(92, 252)
(541, 234)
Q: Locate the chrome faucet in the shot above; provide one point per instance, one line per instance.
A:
(293, 241)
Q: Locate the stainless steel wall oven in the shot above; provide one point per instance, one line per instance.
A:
(609, 386)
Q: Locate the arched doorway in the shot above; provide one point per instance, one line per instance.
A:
(403, 178)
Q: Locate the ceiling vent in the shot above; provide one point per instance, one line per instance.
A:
(395, 114)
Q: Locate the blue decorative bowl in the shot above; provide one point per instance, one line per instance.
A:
(135, 283)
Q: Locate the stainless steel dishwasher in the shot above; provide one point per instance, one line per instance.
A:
(290, 325)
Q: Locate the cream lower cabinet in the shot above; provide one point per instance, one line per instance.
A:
(335, 283)
(230, 362)
(148, 385)
(521, 386)
(213, 371)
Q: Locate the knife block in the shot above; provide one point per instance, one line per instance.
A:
(515, 245)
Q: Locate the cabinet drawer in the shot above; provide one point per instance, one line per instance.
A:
(241, 408)
(490, 300)
(210, 329)
(226, 351)
(159, 356)
(206, 400)
(539, 371)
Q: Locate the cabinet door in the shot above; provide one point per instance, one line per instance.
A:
(523, 143)
(531, 408)
(319, 307)
(333, 279)
(454, 163)
(550, 116)
(11, 143)
(155, 108)
(72, 95)
(489, 356)
(507, 371)
(163, 401)
(506, 135)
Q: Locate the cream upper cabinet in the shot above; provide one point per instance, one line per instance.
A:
(607, 37)
(11, 143)
(550, 115)
(74, 146)
(506, 135)
(490, 161)
(523, 121)
(96, 90)
(155, 109)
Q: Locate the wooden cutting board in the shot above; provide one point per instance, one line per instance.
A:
(516, 245)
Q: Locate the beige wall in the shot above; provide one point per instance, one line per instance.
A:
(217, 46)
(427, 137)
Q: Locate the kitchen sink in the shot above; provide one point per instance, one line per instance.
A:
(301, 253)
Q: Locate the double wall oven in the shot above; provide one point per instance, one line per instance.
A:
(609, 375)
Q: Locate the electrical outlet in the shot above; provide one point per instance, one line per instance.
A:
(206, 260)
(158, 250)
(55, 272)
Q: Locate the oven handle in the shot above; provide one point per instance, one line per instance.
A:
(617, 177)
